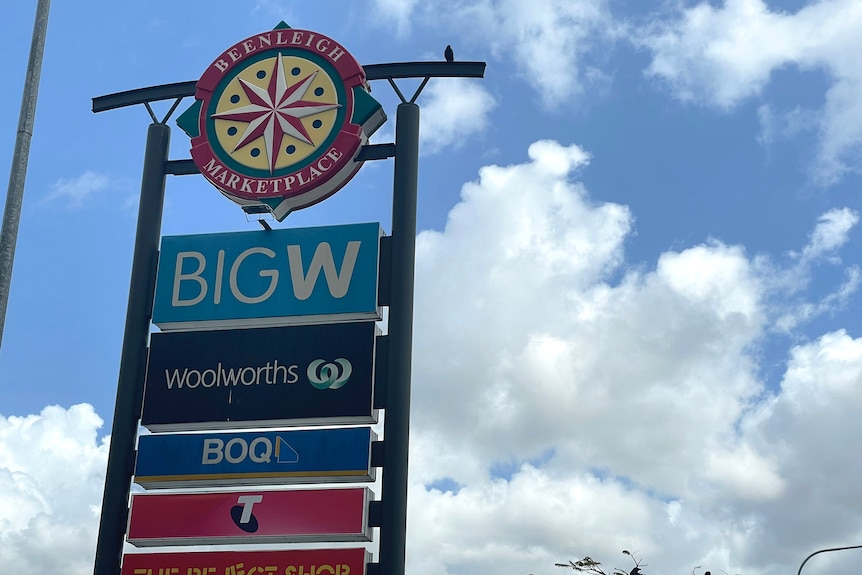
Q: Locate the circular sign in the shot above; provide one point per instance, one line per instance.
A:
(280, 118)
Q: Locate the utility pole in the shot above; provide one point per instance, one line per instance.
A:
(18, 172)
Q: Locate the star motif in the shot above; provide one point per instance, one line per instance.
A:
(275, 112)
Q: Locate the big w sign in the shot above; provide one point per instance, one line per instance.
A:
(270, 277)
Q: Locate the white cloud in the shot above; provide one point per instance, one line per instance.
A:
(776, 126)
(278, 10)
(723, 55)
(552, 42)
(523, 523)
(521, 274)
(634, 393)
(397, 12)
(452, 110)
(51, 476)
(717, 55)
(810, 427)
(75, 192)
(830, 234)
(745, 473)
(801, 313)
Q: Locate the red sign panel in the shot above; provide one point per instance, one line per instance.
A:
(305, 562)
(249, 517)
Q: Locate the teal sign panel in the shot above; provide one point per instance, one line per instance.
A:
(268, 278)
(169, 460)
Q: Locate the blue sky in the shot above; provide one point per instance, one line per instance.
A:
(637, 269)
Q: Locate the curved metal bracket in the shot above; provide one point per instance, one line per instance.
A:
(424, 69)
(391, 71)
(143, 96)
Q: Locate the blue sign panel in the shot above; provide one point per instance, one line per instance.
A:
(255, 458)
(275, 277)
(260, 377)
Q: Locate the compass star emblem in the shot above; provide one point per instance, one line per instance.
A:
(280, 119)
(275, 112)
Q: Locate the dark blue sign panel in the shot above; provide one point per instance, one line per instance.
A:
(265, 278)
(254, 458)
(301, 375)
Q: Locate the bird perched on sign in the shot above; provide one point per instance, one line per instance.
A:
(449, 54)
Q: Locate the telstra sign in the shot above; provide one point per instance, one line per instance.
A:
(228, 517)
(268, 277)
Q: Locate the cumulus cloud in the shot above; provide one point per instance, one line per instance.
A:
(51, 475)
(75, 192)
(809, 427)
(715, 54)
(554, 43)
(532, 516)
(566, 404)
(721, 55)
(535, 320)
(452, 110)
(397, 12)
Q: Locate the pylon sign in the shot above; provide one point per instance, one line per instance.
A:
(280, 118)
(262, 332)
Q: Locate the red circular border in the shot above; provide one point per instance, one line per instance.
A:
(347, 142)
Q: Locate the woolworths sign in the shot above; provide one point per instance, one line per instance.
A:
(316, 374)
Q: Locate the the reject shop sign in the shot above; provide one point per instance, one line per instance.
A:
(298, 562)
(249, 517)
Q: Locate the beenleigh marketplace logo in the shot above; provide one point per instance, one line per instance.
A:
(279, 120)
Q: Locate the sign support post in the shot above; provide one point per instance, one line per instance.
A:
(393, 531)
(130, 386)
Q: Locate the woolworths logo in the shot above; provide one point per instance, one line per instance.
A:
(324, 375)
(321, 375)
(271, 373)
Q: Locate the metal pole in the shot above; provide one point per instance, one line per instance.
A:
(825, 551)
(18, 173)
(130, 387)
(393, 529)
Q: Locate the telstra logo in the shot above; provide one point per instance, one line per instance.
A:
(241, 514)
(324, 375)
